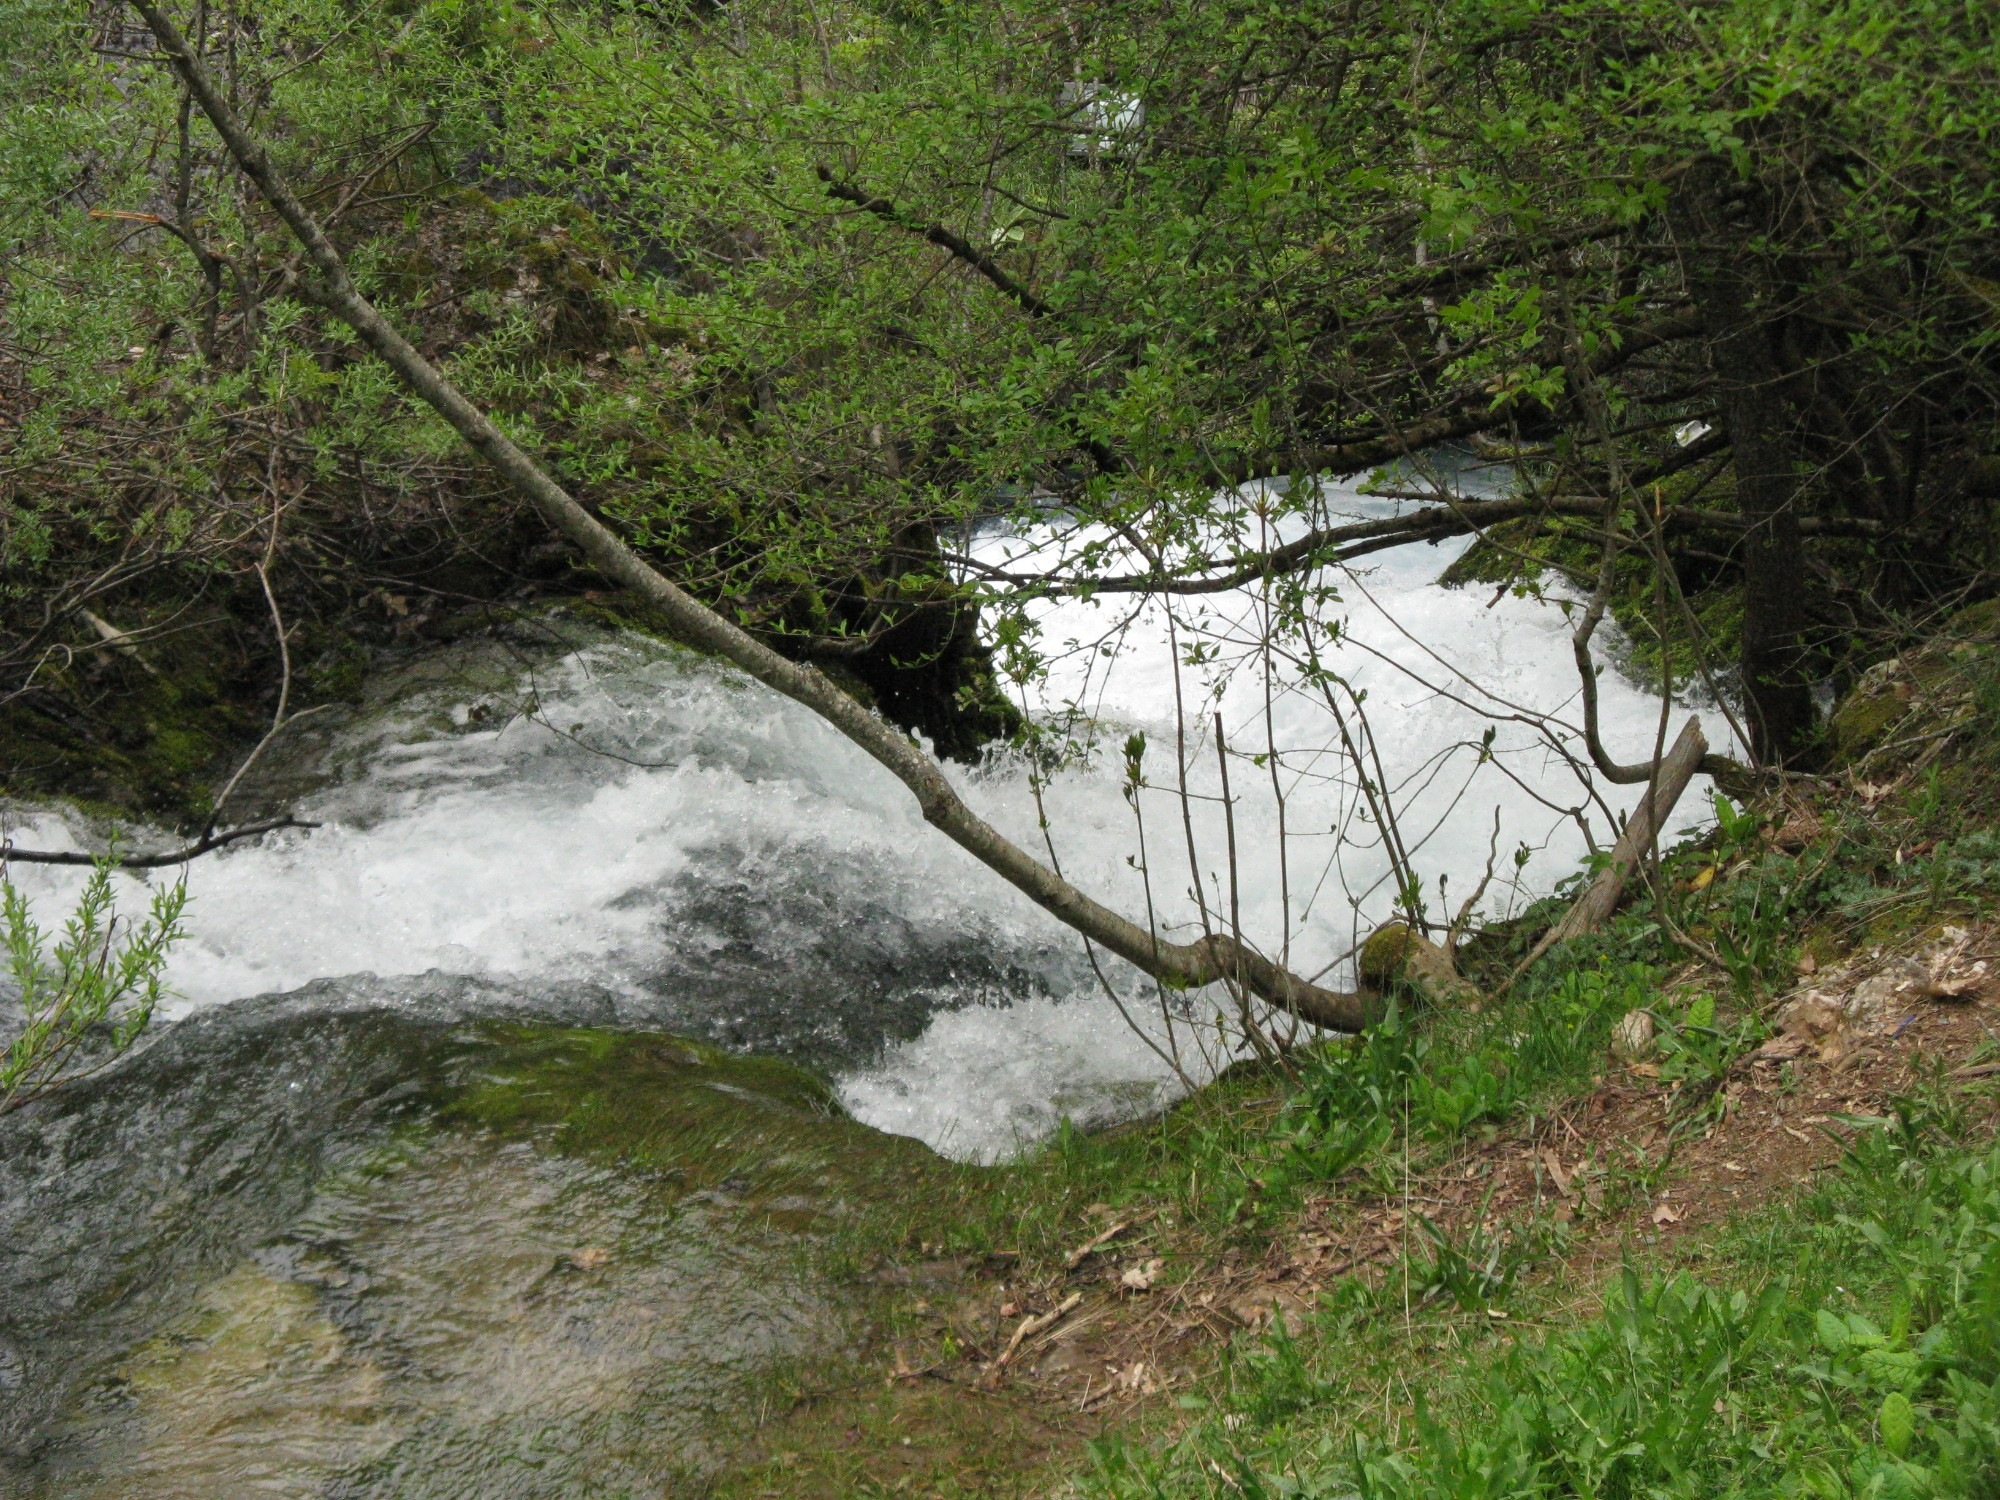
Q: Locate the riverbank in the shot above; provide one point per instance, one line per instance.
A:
(1505, 1252)
(1457, 1186)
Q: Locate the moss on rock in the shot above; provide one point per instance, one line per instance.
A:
(666, 1104)
(1380, 962)
(128, 734)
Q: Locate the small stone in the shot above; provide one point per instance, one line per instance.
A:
(1632, 1037)
(1811, 1015)
(1888, 994)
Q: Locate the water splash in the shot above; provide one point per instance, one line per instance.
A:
(725, 865)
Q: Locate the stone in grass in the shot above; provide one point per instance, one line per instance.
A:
(1632, 1037)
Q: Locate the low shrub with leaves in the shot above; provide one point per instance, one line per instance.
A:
(1404, 1076)
(84, 1000)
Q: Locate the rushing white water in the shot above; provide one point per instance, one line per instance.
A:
(735, 869)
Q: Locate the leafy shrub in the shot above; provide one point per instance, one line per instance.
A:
(87, 999)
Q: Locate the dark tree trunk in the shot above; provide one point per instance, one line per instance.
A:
(1776, 685)
(1744, 320)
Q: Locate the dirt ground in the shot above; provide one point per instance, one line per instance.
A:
(1009, 1364)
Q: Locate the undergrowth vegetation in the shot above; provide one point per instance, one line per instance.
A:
(1367, 1110)
(1851, 1349)
(1841, 1341)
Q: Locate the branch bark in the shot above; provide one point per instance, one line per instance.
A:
(206, 844)
(1215, 957)
(956, 245)
(1472, 411)
(1675, 770)
(1329, 545)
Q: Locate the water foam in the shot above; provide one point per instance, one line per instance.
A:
(741, 870)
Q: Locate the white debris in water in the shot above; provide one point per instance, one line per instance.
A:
(501, 848)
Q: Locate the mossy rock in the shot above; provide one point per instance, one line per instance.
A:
(669, 1105)
(1520, 553)
(1976, 622)
(128, 737)
(1380, 962)
(1925, 689)
(1863, 719)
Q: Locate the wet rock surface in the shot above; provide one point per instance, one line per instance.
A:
(427, 1237)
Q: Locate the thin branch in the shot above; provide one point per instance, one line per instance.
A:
(1642, 828)
(1472, 411)
(943, 238)
(206, 844)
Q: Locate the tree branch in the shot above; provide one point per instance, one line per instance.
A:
(943, 238)
(1213, 958)
(1471, 411)
(1327, 546)
(1336, 544)
(1674, 771)
(206, 844)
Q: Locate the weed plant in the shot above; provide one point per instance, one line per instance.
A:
(1849, 1349)
(83, 997)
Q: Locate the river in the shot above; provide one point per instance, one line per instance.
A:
(315, 1239)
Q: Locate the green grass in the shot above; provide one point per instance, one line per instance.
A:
(1845, 1345)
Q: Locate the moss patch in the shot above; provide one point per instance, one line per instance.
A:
(700, 1115)
(128, 737)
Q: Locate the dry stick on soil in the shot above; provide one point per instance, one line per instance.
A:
(1084, 1251)
(1041, 1321)
(1213, 957)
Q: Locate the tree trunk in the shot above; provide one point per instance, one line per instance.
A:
(1743, 319)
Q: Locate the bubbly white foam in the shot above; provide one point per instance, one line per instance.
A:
(505, 849)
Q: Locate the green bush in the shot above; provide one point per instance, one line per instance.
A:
(87, 999)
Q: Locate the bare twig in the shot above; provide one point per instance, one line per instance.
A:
(1461, 922)
(206, 844)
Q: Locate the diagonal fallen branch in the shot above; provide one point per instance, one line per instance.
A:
(1676, 769)
(1038, 1324)
(1083, 1252)
(1217, 957)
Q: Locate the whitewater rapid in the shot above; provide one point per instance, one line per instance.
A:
(721, 863)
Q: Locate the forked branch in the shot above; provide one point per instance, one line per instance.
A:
(955, 245)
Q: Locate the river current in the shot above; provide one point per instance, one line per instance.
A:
(567, 825)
